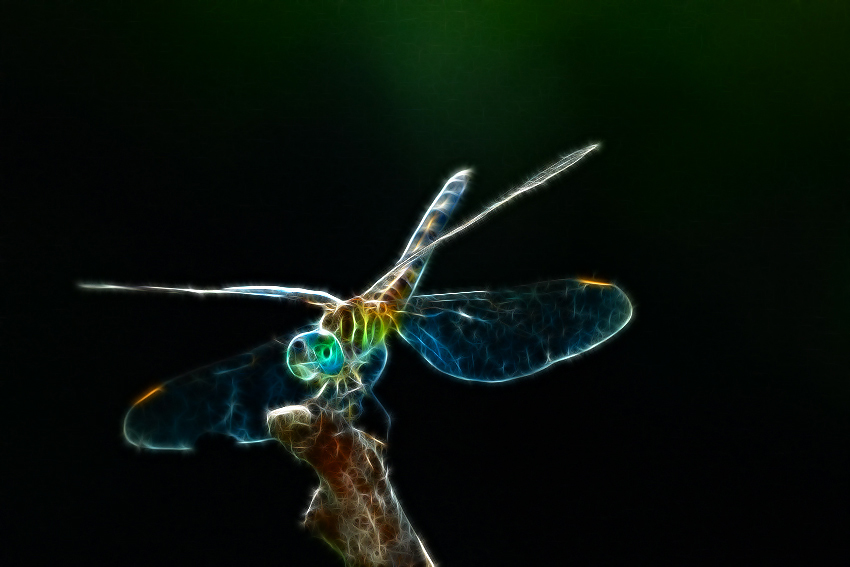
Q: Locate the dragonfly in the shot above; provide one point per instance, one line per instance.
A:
(481, 335)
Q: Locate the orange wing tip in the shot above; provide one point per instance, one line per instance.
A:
(149, 394)
(593, 282)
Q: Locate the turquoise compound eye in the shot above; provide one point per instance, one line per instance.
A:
(315, 354)
(328, 353)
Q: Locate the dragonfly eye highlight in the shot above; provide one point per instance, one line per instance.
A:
(314, 354)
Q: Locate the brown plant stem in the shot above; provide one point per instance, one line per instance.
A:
(354, 509)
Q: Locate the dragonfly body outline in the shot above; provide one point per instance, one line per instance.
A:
(486, 336)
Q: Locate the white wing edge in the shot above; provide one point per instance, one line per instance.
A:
(280, 292)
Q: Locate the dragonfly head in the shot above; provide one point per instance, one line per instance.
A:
(315, 354)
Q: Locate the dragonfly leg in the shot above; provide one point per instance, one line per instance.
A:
(372, 398)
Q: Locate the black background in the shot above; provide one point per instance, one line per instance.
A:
(211, 143)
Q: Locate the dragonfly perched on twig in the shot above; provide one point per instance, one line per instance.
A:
(485, 336)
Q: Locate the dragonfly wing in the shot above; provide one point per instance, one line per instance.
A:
(306, 295)
(493, 336)
(230, 397)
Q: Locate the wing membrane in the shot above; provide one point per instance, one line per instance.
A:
(493, 336)
(230, 397)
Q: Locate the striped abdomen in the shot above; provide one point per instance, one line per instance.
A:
(429, 229)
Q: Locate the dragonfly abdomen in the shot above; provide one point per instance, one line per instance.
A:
(430, 227)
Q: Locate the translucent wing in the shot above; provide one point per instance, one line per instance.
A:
(493, 336)
(230, 397)
(306, 295)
